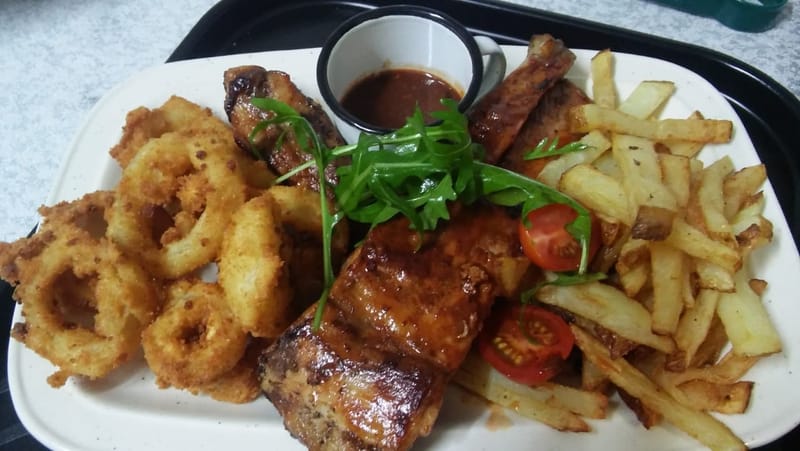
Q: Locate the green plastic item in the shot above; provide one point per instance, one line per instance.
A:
(743, 15)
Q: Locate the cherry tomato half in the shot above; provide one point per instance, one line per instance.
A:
(548, 244)
(525, 343)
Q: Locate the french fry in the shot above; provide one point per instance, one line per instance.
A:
(606, 164)
(604, 92)
(640, 156)
(592, 379)
(676, 236)
(551, 173)
(694, 325)
(687, 149)
(700, 425)
(647, 98)
(716, 341)
(647, 416)
(614, 235)
(633, 266)
(611, 232)
(478, 377)
(677, 175)
(723, 398)
(729, 369)
(717, 388)
(634, 252)
(635, 279)
(585, 118)
(696, 169)
(711, 200)
(608, 307)
(597, 191)
(700, 394)
(652, 223)
(746, 321)
(712, 276)
(666, 269)
(749, 213)
(740, 185)
(587, 403)
(641, 172)
(695, 243)
(687, 285)
(751, 228)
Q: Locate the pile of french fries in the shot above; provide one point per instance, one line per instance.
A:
(680, 320)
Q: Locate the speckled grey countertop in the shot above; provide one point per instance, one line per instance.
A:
(57, 58)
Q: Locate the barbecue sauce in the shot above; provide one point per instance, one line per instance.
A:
(387, 98)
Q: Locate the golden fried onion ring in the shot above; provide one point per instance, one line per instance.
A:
(252, 268)
(270, 263)
(301, 217)
(192, 176)
(84, 302)
(241, 384)
(195, 339)
(87, 213)
(180, 115)
(143, 124)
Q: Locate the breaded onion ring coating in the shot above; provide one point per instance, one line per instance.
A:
(301, 210)
(86, 213)
(180, 115)
(195, 339)
(85, 304)
(199, 168)
(257, 174)
(175, 115)
(252, 268)
(301, 217)
(270, 264)
(241, 384)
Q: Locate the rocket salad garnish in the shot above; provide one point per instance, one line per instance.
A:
(415, 171)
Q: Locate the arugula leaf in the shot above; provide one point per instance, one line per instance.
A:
(415, 171)
(308, 139)
(542, 150)
(410, 171)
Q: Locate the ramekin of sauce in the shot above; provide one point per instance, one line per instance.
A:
(376, 67)
(387, 97)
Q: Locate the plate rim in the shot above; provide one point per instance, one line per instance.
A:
(16, 348)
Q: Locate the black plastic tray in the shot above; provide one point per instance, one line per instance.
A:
(769, 111)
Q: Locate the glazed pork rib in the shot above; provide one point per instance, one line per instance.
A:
(397, 325)
(497, 118)
(241, 84)
(548, 120)
(403, 312)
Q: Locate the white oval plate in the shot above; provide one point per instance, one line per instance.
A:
(127, 411)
